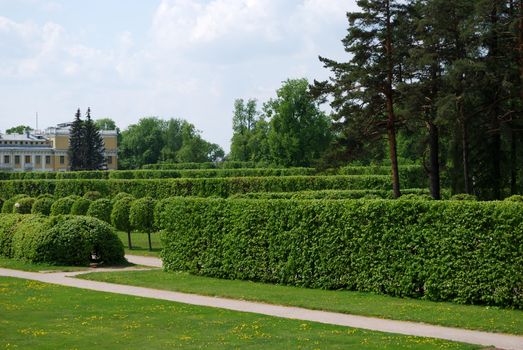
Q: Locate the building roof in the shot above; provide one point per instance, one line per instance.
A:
(22, 137)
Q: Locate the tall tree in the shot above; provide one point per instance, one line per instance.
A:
(299, 132)
(94, 145)
(243, 124)
(363, 89)
(77, 150)
(20, 129)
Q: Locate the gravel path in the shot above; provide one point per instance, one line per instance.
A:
(502, 341)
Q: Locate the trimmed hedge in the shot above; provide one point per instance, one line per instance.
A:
(65, 240)
(101, 209)
(63, 206)
(23, 205)
(8, 205)
(339, 194)
(465, 252)
(207, 165)
(81, 206)
(221, 187)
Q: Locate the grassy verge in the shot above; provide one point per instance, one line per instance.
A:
(44, 316)
(26, 266)
(141, 244)
(446, 314)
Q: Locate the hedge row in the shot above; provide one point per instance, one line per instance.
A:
(220, 187)
(155, 174)
(466, 252)
(64, 240)
(341, 194)
(207, 165)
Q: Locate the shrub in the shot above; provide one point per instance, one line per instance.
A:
(66, 240)
(120, 217)
(8, 206)
(45, 195)
(120, 196)
(92, 195)
(80, 206)
(141, 216)
(101, 209)
(23, 205)
(62, 206)
(465, 252)
(514, 198)
(8, 224)
(463, 197)
(42, 206)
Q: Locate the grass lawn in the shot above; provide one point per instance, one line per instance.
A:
(141, 244)
(26, 266)
(45, 316)
(463, 316)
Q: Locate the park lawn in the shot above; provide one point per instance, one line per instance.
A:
(490, 319)
(44, 316)
(27, 266)
(141, 244)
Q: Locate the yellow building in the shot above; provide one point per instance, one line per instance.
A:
(47, 151)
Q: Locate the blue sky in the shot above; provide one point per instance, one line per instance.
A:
(169, 58)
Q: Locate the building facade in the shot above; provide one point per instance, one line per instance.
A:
(47, 150)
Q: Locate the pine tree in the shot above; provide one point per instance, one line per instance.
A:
(76, 144)
(364, 89)
(94, 145)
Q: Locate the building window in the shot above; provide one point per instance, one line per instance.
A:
(47, 159)
(38, 160)
(17, 159)
(110, 160)
(7, 160)
(62, 159)
(27, 159)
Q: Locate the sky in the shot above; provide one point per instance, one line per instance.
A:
(128, 59)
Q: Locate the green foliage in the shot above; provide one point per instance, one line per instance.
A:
(221, 187)
(463, 197)
(92, 195)
(63, 206)
(141, 214)
(42, 205)
(20, 129)
(466, 252)
(101, 209)
(8, 225)
(299, 132)
(514, 198)
(67, 240)
(121, 195)
(23, 205)
(80, 206)
(414, 193)
(120, 214)
(8, 205)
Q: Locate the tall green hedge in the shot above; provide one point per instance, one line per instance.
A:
(221, 187)
(338, 194)
(207, 165)
(466, 252)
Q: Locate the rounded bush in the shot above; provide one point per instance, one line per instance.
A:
(45, 195)
(7, 226)
(120, 196)
(24, 205)
(120, 217)
(80, 206)
(66, 240)
(8, 206)
(63, 206)
(92, 195)
(42, 206)
(141, 214)
(101, 209)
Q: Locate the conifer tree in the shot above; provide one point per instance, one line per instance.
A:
(94, 145)
(76, 144)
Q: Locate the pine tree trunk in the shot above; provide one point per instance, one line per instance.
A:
(391, 120)
(496, 127)
(129, 239)
(465, 148)
(149, 238)
(435, 189)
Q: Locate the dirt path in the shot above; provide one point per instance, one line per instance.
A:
(502, 341)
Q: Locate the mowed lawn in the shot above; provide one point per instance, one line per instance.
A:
(44, 316)
(490, 319)
(140, 243)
